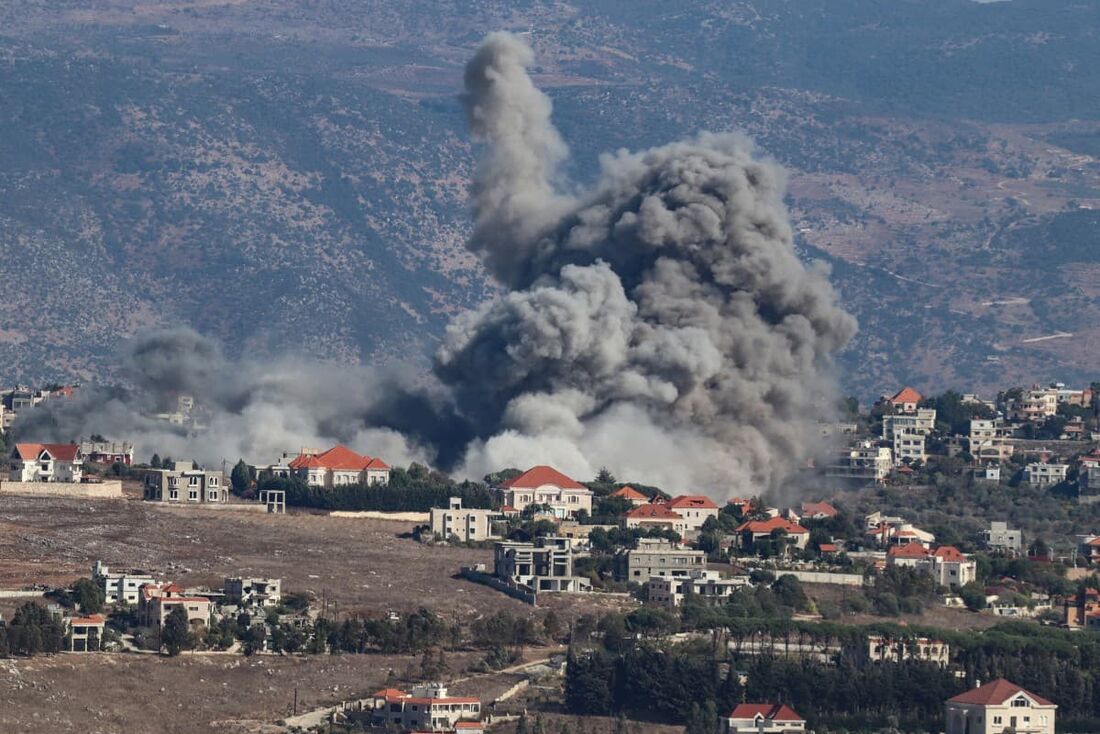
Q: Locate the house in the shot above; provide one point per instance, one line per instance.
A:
(466, 525)
(155, 603)
(1082, 608)
(185, 482)
(247, 592)
(913, 555)
(108, 452)
(545, 565)
(695, 509)
(818, 511)
(990, 473)
(338, 467)
(657, 557)
(1000, 538)
(988, 441)
(997, 707)
(762, 718)
(428, 708)
(1035, 405)
(46, 462)
(890, 533)
(543, 485)
(120, 588)
(743, 505)
(754, 530)
(864, 461)
(1041, 474)
(85, 633)
(655, 516)
(921, 423)
(631, 495)
(946, 564)
(1089, 483)
(908, 448)
(905, 400)
(883, 649)
(708, 587)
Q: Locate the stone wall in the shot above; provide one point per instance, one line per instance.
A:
(97, 490)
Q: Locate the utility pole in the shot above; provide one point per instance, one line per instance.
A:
(295, 700)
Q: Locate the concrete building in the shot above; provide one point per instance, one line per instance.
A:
(908, 448)
(85, 634)
(905, 400)
(947, 565)
(988, 441)
(990, 473)
(155, 603)
(108, 452)
(708, 587)
(997, 707)
(120, 588)
(543, 485)
(466, 525)
(186, 483)
(1036, 404)
(338, 467)
(1042, 475)
(695, 509)
(1089, 483)
(46, 462)
(882, 649)
(543, 566)
(657, 557)
(762, 718)
(249, 592)
(863, 461)
(428, 708)
(1000, 538)
(921, 422)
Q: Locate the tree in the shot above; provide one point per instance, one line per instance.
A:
(89, 596)
(551, 625)
(155, 463)
(176, 634)
(973, 596)
(241, 477)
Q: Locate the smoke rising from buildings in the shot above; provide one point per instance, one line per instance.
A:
(657, 322)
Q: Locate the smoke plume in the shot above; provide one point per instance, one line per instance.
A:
(657, 323)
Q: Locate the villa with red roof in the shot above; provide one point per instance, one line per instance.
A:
(46, 462)
(695, 509)
(947, 564)
(997, 707)
(818, 511)
(428, 708)
(655, 516)
(544, 485)
(155, 603)
(337, 467)
(631, 495)
(906, 400)
(763, 718)
(753, 530)
(85, 633)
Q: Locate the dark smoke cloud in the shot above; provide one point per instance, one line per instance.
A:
(658, 323)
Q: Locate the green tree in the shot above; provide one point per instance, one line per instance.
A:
(241, 477)
(176, 634)
(155, 463)
(89, 596)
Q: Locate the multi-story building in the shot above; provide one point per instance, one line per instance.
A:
(905, 401)
(656, 557)
(155, 603)
(85, 634)
(465, 524)
(337, 467)
(253, 592)
(988, 441)
(1036, 404)
(997, 707)
(946, 564)
(752, 531)
(1041, 474)
(185, 483)
(864, 461)
(709, 587)
(655, 516)
(428, 708)
(108, 452)
(908, 448)
(546, 487)
(1001, 538)
(46, 462)
(762, 718)
(883, 649)
(695, 509)
(543, 566)
(1089, 483)
(120, 588)
(921, 422)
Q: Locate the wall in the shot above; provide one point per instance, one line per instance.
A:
(101, 490)
(821, 577)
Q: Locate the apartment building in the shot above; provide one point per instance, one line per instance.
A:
(546, 565)
(708, 587)
(186, 483)
(988, 441)
(465, 524)
(546, 486)
(1001, 538)
(1041, 474)
(253, 592)
(908, 448)
(921, 422)
(652, 557)
(123, 587)
(46, 462)
(864, 461)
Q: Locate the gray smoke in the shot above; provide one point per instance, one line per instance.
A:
(659, 322)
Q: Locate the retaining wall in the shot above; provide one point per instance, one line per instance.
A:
(821, 577)
(98, 491)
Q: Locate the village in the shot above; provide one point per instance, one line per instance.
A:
(610, 568)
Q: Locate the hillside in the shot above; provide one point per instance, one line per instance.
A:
(290, 176)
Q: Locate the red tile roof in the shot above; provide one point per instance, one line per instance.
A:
(338, 458)
(629, 493)
(692, 502)
(995, 693)
(59, 451)
(769, 525)
(770, 711)
(909, 550)
(949, 553)
(537, 476)
(906, 395)
(828, 548)
(89, 621)
(653, 512)
(818, 508)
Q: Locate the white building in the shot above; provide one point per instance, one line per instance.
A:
(120, 588)
(46, 462)
(545, 486)
(337, 467)
(465, 524)
(762, 718)
(186, 483)
(258, 592)
(882, 649)
(707, 586)
(997, 707)
(1000, 537)
(428, 708)
(694, 509)
(908, 448)
(921, 422)
(863, 461)
(1041, 475)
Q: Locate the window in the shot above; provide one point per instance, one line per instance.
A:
(1021, 702)
(213, 481)
(193, 495)
(192, 481)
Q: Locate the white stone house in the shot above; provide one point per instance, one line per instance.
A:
(46, 462)
(545, 486)
(997, 707)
